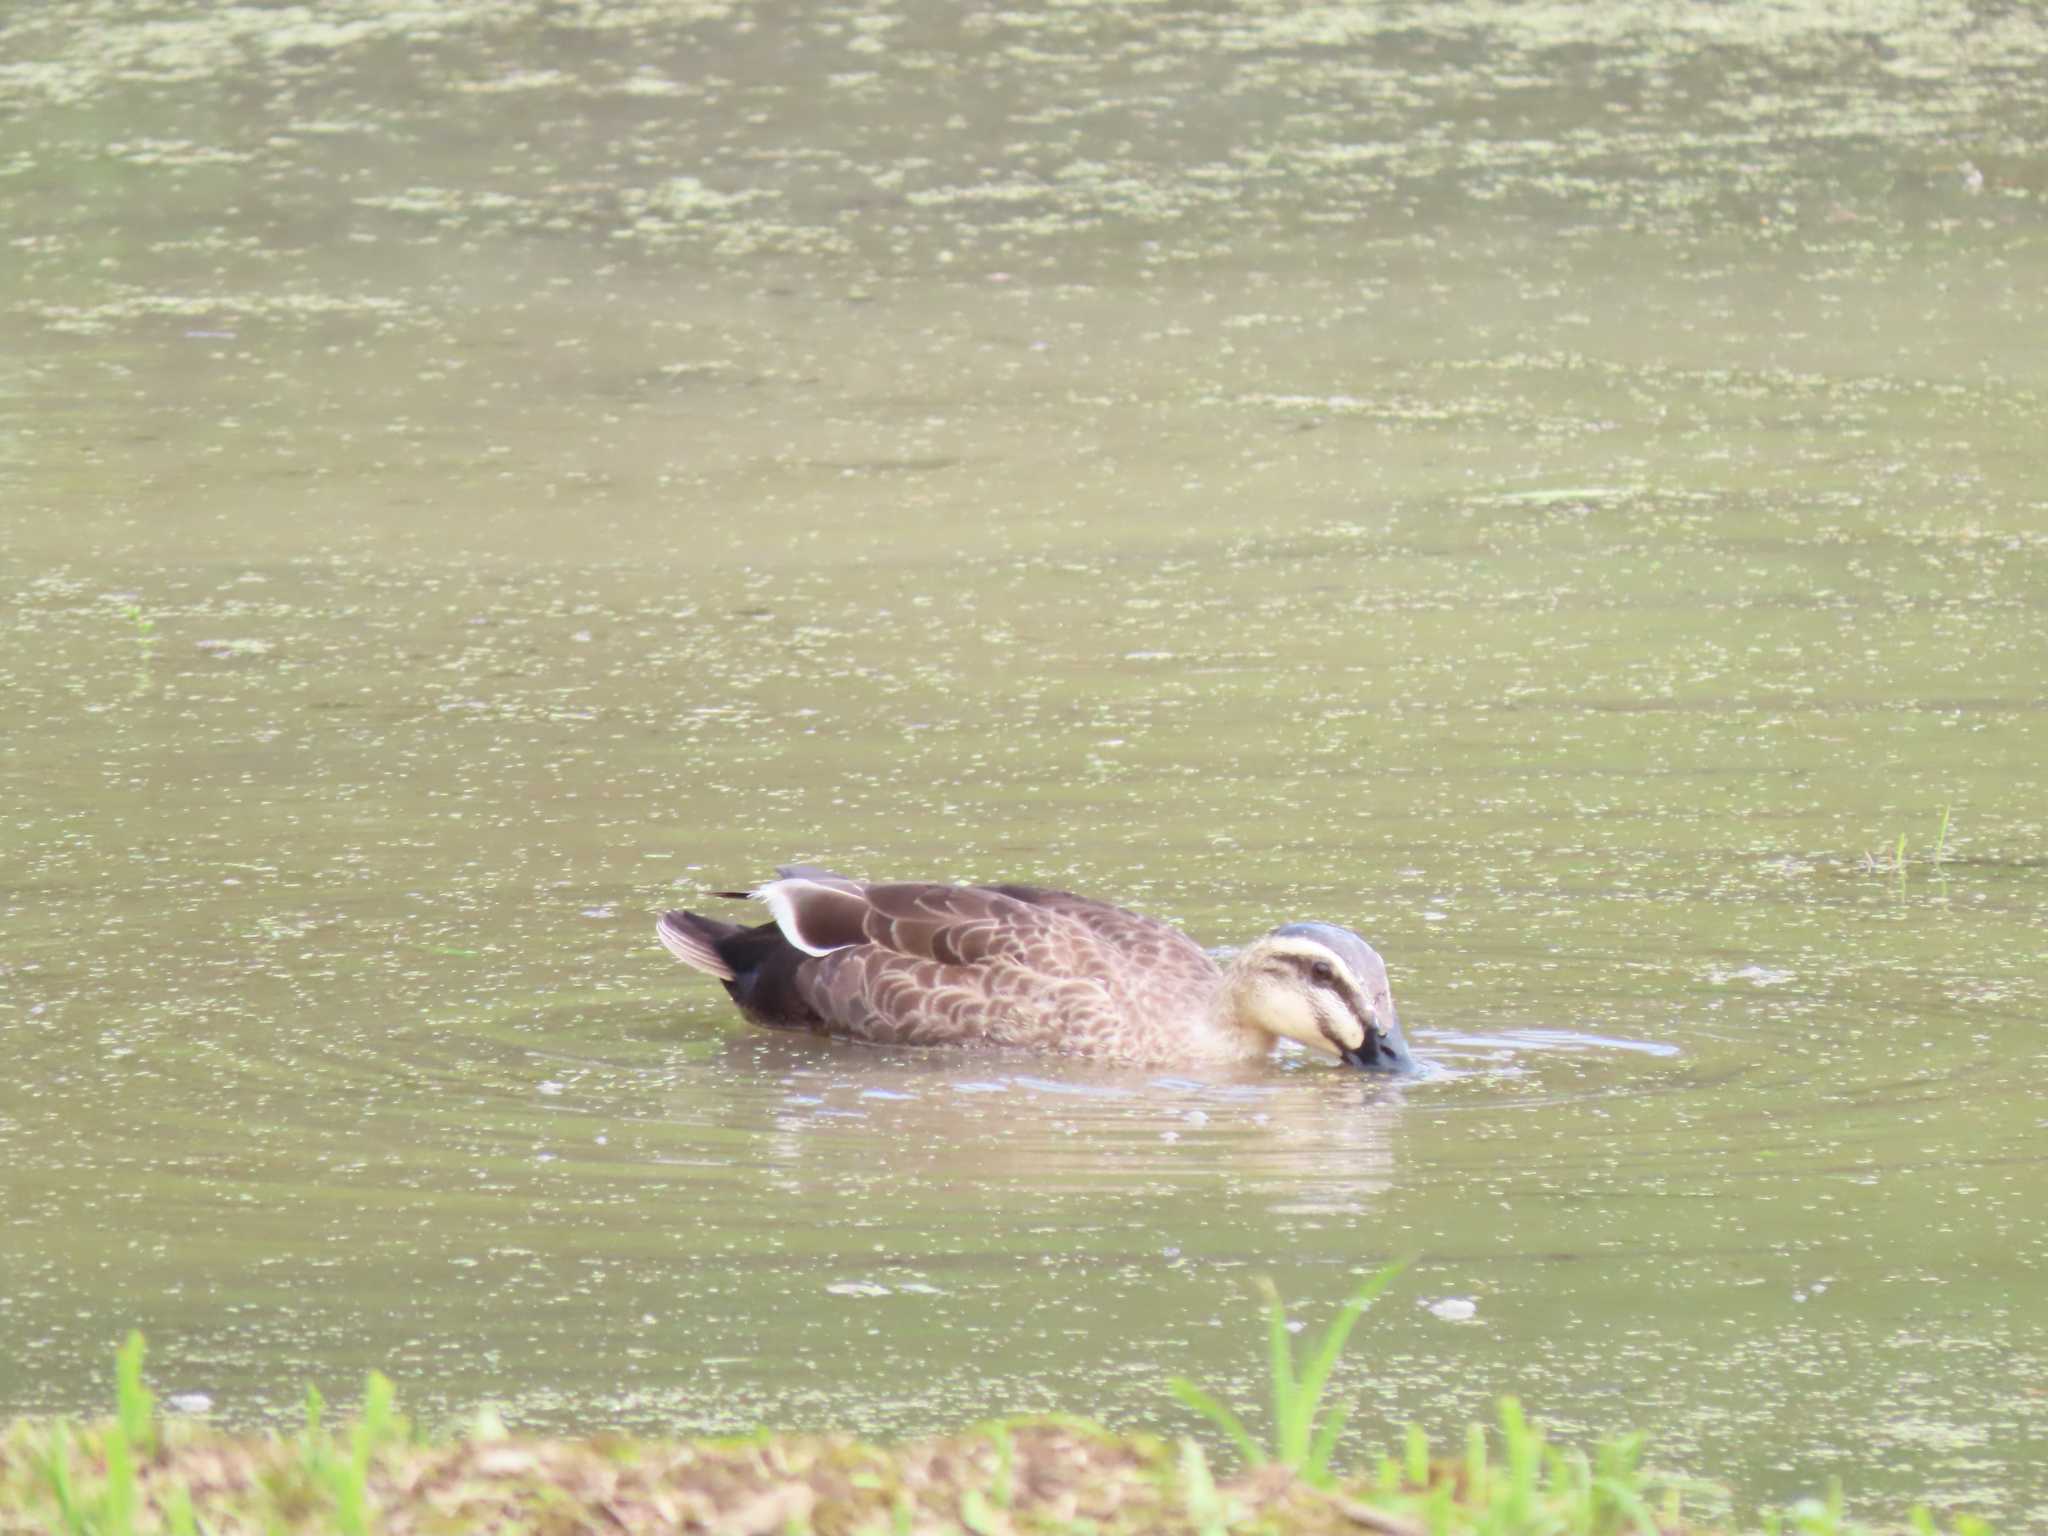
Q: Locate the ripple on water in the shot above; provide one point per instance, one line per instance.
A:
(1546, 485)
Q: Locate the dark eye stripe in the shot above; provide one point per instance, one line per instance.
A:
(1314, 967)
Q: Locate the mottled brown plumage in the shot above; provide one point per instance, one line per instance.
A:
(1014, 966)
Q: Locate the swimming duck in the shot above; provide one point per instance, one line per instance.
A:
(1015, 966)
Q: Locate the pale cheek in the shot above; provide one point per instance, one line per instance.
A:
(1302, 1020)
(1306, 1027)
(1347, 1029)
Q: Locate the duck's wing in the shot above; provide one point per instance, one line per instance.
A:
(821, 913)
(924, 963)
(1153, 948)
(870, 993)
(812, 872)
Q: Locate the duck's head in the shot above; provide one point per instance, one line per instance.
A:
(1325, 987)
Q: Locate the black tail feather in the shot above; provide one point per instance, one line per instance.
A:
(757, 965)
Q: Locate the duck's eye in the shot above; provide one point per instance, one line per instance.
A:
(1322, 972)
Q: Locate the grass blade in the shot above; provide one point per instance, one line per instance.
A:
(1476, 1482)
(1415, 1456)
(1198, 1492)
(980, 1516)
(1003, 1490)
(134, 1404)
(178, 1516)
(1334, 1338)
(117, 1500)
(1221, 1417)
(1624, 1499)
(1316, 1470)
(56, 1468)
(1290, 1441)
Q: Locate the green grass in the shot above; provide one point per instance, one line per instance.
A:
(1303, 1440)
(110, 1507)
(134, 1475)
(345, 1479)
(1530, 1485)
(1525, 1485)
(134, 1404)
(1894, 863)
(1827, 1517)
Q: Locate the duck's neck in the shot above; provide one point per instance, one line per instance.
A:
(1232, 1023)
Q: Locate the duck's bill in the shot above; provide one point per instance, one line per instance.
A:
(1376, 1054)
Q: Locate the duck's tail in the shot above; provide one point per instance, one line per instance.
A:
(760, 968)
(695, 941)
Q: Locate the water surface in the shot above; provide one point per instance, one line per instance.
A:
(1561, 493)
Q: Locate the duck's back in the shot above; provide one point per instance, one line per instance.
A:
(1165, 960)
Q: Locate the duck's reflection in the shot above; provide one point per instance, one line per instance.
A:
(944, 1125)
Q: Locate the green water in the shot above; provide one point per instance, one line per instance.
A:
(1564, 494)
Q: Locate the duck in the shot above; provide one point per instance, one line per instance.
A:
(1018, 967)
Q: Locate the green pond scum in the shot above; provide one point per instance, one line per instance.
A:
(1558, 488)
(135, 1474)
